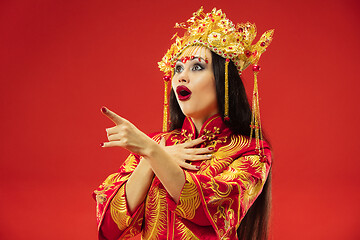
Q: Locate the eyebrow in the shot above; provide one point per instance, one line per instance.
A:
(179, 60)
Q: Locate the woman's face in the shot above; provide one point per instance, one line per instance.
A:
(194, 83)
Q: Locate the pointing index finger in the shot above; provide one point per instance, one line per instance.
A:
(112, 116)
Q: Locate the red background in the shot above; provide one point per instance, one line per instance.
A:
(60, 61)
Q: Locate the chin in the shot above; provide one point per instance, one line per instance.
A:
(190, 111)
(187, 113)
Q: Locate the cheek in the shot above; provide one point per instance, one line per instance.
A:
(173, 86)
(208, 89)
(174, 81)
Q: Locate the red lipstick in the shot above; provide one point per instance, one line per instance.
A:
(183, 93)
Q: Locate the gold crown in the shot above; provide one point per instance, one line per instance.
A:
(217, 33)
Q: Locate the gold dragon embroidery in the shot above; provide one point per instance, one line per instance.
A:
(221, 159)
(156, 213)
(118, 210)
(189, 200)
(184, 232)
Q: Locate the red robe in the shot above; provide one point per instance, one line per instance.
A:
(213, 200)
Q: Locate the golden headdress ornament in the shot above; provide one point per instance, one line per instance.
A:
(216, 32)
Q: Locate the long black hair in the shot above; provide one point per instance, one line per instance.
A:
(255, 223)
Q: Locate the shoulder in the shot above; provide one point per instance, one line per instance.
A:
(241, 146)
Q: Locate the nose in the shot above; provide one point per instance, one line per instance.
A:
(183, 77)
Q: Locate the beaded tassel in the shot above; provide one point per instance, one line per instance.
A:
(166, 103)
(255, 117)
(226, 107)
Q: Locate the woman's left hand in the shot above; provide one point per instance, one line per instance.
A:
(185, 153)
(126, 135)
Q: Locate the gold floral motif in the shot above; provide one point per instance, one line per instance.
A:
(216, 141)
(212, 137)
(176, 137)
(187, 135)
(211, 134)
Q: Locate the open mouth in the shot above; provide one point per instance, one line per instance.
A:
(183, 93)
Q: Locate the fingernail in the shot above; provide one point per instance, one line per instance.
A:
(209, 155)
(211, 148)
(101, 144)
(197, 167)
(203, 137)
(103, 109)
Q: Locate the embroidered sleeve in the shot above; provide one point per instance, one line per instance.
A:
(189, 200)
(119, 210)
(113, 217)
(223, 200)
(118, 222)
(228, 196)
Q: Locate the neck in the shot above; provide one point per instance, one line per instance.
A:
(199, 122)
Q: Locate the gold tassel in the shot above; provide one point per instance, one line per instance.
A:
(255, 125)
(226, 107)
(166, 103)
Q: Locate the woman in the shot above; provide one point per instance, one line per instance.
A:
(198, 180)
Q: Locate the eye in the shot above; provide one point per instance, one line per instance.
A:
(178, 69)
(197, 67)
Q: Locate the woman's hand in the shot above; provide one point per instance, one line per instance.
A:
(126, 135)
(185, 152)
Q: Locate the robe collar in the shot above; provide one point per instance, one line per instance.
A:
(212, 128)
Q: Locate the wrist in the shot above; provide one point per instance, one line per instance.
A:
(151, 149)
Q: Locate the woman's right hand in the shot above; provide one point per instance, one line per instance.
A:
(185, 152)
